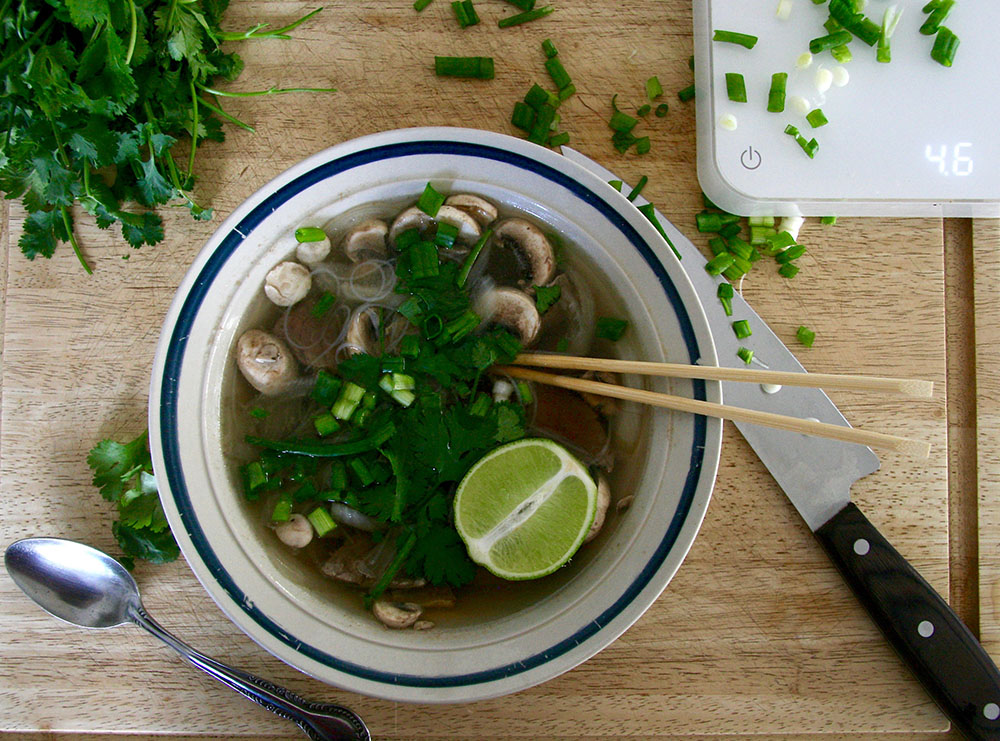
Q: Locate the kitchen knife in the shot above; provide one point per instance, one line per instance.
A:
(816, 474)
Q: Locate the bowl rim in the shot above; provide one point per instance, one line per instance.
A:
(194, 543)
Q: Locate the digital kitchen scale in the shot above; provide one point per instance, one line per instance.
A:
(907, 138)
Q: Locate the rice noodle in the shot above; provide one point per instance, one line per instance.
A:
(366, 281)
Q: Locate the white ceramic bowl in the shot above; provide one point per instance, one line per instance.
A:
(286, 608)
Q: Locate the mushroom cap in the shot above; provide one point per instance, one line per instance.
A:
(513, 309)
(603, 502)
(313, 253)
(396, 615)
(266, 362)
(287, 283)
(468, 227)
(484, 212)
(532, 247)
(362, 330)
(297, 532)
(367, 239)
(411, 218)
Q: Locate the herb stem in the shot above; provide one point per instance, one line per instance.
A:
(269, 91)
(27, 44)
(228, 116)
(394, 566)
(133, 31)
(194, 125)
(279, 33)
(72, 240)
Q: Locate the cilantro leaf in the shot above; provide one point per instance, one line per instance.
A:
(440, 557)
(546, 296)
(139, 542)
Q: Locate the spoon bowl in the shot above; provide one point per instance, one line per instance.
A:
(88, 588)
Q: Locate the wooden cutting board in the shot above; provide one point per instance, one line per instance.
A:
(757, 634)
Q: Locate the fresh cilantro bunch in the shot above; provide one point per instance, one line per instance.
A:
(97, 95)
(124, 474)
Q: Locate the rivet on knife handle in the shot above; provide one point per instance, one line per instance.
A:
(924, 630)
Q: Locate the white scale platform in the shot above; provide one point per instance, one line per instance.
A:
(907, 138)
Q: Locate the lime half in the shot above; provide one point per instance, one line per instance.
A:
(524, 509)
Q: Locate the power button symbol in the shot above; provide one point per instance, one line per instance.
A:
(750, 158)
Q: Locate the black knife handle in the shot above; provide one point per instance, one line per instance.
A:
(927, 634)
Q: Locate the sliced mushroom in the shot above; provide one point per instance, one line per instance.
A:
(411, 218)
(426, 597)
(423, 625)
(362, 331)
(530, 248)
(297, 532)
(513, 309)
(502, 390)
(603, 502)
(266, 362)
(287, 283)
(468, 227)
(366, 240)
(396, 615)
(484, 212)
(605, 405)
(313, 253)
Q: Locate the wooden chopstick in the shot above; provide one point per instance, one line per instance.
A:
(907, 386)
(909, 446)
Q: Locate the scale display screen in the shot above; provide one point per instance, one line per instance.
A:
(909, 137)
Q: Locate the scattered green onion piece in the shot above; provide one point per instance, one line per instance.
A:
(362, 473)
(609, 328)
(547, 46)
(254, 476)
(322, 522)
(524, 391)
(745, 354)
(737, 270)
(419, 5)
(424, 261)
(938, 15)
(566, 92)
(323, 305)
(760, 220)
(305, 493)
(316, 448)
(732, 37)
(817, 118)
(338, 475)
(541, 131)
(842, 54)
(761, 234)
(741, 328)
(707, 202)
(403, 397)
(781, 240)
(791, 253)
(430, 201)
(644, 110)
(806, 336)
(560, 77)
(634, 193)
(831, 25)
(258, 413)
(791, 130)
(730, 230)
(686, 94)
(718, 246)
(718, 264)
(385, 383)
(776, 95)
(525, 17)
(828, 220)
(642, 145)
(458, 328)
(282, 511)
(837, 38)
(523, 116)
(309, 234)
(393, 363)
(788, 270)
(616, 184)
(648, 210)
(407, 239)
(522, 4)
(445, 235)
(481, 405)
(369, 400)
(708, 221)
(480, 68)
(557, 140)
(736, 87)
(945, 46)
(622, 121)
(725, 294)
(739, 248)
(536, 97)
(326, 424)
(463, 274)
(653, 88)
(691, 62)
(348, 400)
(661, 110)
(461, 10)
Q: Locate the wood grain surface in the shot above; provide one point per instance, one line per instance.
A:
(756, 635)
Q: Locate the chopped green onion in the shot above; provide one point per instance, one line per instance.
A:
(745, 354)
(831, 24)
(806, 336)
(393, 363)
(732, 37)
(326, 424)
(541, 131)
(463, 274)
(560, 77)
(788, 270)
(725, 294)
(776, 95)
(309, 234)
(403, 397)
(730, 230)
(522, 4)
(643, 110)
(323, 305)
(258, 413)
(430, 201)
(761, 234)
(445, 235)
(616, 184)
(622, 121)
(890, 19)
(708, 221)
(837, 38)
(938, 15)
(321, 521)
(409, 346)
(458, 328)
(781, 240)
(480, 68)
(318, 448)
(718, 264)
(686, 94)
(609, 328)
(536, 97)
(718, 246)
(524, 391)
(736, 88)
(254, 476)
(282, 511)
(739, 268)
(338, 475)
(649, 211)
(326, 389)
(547, 46)
(661, 110)
(760, 220)
(791, 253)
(842, 53)
(653, 88)
(642, 145)
(741, 328)
(481, 405)
(465, 13)
(557, 140)
(305, 492)
(945, 46)
(407, 239)
(419, 5)
(740, 248)
(424, 261)
(403, 382)
(809, 147)
(828, 220)
(523, 116)
(634, 193)
(525, 17)
(362, 473)
(348, 400)
(817, 118)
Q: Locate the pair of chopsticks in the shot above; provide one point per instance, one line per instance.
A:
(904, 386)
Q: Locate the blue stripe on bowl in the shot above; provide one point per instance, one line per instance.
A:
(175, 356)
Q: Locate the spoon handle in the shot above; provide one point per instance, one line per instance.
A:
(321, 722)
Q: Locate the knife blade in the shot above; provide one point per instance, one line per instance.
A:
(817, 474)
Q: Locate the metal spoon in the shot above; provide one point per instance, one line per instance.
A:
(86, 587)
